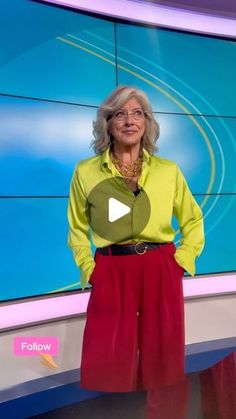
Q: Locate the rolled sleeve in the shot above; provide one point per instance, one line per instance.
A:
(78, 238)
(190, 219)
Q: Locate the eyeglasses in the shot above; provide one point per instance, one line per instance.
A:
(121, 116)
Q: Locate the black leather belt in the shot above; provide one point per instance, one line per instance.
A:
(128, 249)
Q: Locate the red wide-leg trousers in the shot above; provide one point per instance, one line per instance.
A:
(134, 333)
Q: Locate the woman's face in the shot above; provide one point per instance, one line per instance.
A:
(128, 124)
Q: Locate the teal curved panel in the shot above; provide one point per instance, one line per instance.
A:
(203, 147)
(46, 52)
(181, 73)
(41, 142)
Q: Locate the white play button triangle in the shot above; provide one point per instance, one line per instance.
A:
(116, 209)
(116, 215)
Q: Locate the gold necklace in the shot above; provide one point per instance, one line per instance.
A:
(128, 170)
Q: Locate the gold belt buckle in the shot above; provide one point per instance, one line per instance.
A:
(142, 251)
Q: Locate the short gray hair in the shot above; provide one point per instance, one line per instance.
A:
(114, 102)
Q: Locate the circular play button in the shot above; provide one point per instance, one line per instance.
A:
(116, 214)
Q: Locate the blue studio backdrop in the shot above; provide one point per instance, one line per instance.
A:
(56, 67)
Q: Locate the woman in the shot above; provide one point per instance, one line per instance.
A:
(134, 334)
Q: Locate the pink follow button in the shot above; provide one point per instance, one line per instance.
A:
(36, 345)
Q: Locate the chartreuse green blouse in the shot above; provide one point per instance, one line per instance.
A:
(168, 194)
